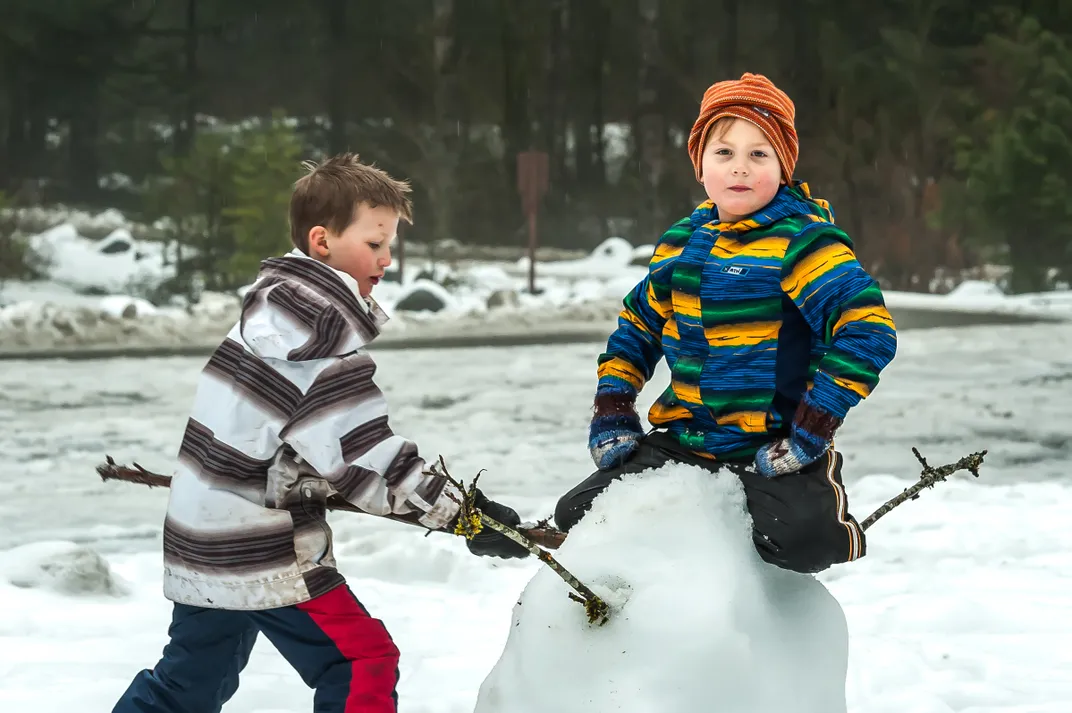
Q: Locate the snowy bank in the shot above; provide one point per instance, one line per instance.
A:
(985, 298)
(65, 319)
(126, 325)
(464, 302)
(699, 622)
(86, 327)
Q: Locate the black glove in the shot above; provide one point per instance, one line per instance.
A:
(491, 543)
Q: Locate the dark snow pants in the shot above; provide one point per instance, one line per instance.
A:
(800, 521)
(338, 649)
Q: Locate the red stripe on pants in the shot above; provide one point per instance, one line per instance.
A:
(365, 643)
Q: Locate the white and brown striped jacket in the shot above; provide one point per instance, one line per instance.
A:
(287, 414)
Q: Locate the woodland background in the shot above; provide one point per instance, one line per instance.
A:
(941, 130)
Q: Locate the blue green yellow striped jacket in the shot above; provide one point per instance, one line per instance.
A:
(752, 317)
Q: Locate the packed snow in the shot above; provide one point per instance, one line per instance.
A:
(68, 310)
(113, 264)
(95, 293)
(960, 606)
(697, 620)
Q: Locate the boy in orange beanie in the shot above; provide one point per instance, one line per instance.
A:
(771, 329)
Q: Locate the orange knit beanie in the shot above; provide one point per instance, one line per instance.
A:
(753, 98)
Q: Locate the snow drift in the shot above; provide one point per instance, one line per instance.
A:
(67, 310)
(61, 567)
(700, 622)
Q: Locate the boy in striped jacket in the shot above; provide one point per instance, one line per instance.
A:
(287, 414)
(770, 328)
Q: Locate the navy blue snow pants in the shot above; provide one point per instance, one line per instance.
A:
(341, 652)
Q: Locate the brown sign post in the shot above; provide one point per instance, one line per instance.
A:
(532, 181)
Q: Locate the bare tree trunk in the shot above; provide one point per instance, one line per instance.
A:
(22, 144)
(557, 62)
(83, 141)
(516, 125)
(599, 119)
(12, 156)
(855, 208)
(336, 72)
(441, 150)
(589, 30)
(798, 63)
(557, 213)
(187, 125)
(651, 129)
(33, 152)
(583, 125)
(728, 21)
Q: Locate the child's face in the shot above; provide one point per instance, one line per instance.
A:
(363, 250)
(740, 171)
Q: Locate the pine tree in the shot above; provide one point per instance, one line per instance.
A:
(1017, 162)
(266, 165)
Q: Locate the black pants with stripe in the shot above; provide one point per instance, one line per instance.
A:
(339, 650)
(800, 521)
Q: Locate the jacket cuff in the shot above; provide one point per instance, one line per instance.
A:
(813, 424)
(614, 403)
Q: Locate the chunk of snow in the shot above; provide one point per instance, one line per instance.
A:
(614, 249)
(62, 567)
(970, 289)
(51, 243)
(104, 222)
(492, 277)
(423, 295)
(121, 306)
(110, 265)
(606, 260)
(642, 255)
(503, 298)
(699, 622)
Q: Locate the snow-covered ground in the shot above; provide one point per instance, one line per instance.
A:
(58, 312)
(487, 298)
(476, 296)
(962, 603)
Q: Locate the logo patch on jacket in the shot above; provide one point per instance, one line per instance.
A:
(735, 270)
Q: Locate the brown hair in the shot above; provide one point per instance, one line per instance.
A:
(330, 192)
(718, 129)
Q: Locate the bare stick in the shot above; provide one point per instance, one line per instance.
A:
(928, 479)
(470, 520)
(542, 534)
(535, 539)
(595, 607)
(112, 471)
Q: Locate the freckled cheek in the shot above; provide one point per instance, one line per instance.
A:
(766, 184)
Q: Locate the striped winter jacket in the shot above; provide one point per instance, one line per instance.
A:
(286, 414)
(751, 317)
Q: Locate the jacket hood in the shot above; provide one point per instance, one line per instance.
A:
(300, 309)
(789, 201)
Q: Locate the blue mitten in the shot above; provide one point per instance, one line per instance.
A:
(615, 430)
(810, 436)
